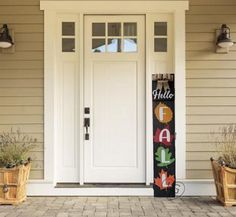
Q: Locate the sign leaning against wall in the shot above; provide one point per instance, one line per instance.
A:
(163, 96)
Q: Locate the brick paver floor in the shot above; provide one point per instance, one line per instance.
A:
(117, 206)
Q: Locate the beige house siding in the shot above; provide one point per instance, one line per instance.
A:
(211, 78)
(21, 75)
(211, 81)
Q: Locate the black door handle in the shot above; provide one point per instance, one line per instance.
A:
(86, 125)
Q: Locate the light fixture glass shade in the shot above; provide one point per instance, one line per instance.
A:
(4, 44)
(223, 40)
(225, 44)
(5, 38)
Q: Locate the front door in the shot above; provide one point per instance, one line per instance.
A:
(114, 90)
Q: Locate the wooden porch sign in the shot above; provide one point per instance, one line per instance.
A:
(163, 96)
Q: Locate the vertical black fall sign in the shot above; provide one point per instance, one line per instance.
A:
(163, 96)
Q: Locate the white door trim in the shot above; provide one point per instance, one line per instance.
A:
(180, 94)
(114, 7)
(51, 9)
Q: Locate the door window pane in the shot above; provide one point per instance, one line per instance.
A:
(130, 29)
(98, 29)
(160, 28)
(68, 45)
(114, 45)
(68, 28)
(114, 37)
(160, 44)
(114, 29)
(130, 45)
(98, 45)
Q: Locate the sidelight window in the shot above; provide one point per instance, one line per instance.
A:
(68, 37)
(160, 36)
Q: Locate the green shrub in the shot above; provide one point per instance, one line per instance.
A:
(14, 148)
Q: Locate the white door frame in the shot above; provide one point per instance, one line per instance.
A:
(79, 8)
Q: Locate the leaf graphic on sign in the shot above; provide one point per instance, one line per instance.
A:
(170, 180)
(163, 136)
(164, 157)
(164, 181)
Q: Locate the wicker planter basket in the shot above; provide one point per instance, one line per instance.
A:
(13, 184)
(225, 182)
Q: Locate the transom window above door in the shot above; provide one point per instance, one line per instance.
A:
(114, 37)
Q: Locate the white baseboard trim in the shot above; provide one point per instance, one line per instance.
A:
(201, 187)
(44, 188)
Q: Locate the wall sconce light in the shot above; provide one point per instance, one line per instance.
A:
(5, 38)
(223, 40)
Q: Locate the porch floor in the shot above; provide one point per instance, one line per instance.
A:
(117, 206)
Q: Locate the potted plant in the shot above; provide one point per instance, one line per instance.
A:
(224, 168)
(14, 165)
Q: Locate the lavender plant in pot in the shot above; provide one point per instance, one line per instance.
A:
(15, 164)
(224, 166)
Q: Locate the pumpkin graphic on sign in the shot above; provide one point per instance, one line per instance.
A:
(163, 113)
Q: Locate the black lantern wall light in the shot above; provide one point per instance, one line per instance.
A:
(5, 38)
(223, 41)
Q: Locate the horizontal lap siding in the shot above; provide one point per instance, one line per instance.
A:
(211, 81)
(21, 76)
(211, 78)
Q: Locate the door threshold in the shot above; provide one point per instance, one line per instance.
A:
(103, 185)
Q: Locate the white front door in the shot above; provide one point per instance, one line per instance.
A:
(114, 90)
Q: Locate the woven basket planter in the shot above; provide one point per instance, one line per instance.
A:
(13, 184)
(225, 182)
